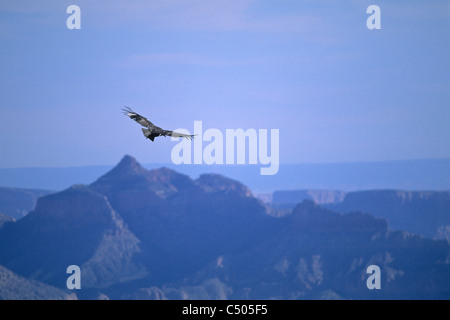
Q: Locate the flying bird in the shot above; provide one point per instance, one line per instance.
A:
(151, 131)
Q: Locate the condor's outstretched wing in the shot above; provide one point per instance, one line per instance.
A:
(138, 118)
(180, 135)
(161, 132)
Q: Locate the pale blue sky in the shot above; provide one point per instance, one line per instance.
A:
(336, 90)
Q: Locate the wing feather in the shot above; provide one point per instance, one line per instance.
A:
(143, 121)
(181, 135)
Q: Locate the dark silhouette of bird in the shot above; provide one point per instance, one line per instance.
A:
(151, 131)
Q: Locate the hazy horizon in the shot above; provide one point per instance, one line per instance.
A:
(224, 165)
(418, 175)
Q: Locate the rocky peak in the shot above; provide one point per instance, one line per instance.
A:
(168, 177)
(128, 162)
(127, 167)
(129, 175)
(212, 183)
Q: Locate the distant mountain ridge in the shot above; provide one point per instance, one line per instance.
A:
(421, 212)
(16, 202)
(289, 198)
(330, 260)
(140, 233)
(427, 174)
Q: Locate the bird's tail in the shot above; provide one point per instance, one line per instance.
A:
(146, 132)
